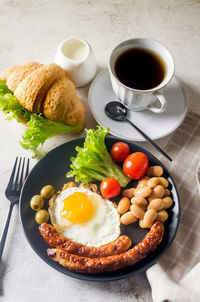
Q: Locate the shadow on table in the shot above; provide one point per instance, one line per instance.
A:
(5, 266)
(136, 287)
(191, 91)
(2, 274)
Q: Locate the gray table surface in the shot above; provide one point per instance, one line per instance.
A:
(32, 30)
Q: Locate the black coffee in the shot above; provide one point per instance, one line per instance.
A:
(140, 69)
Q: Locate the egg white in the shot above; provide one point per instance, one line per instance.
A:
(103, 227)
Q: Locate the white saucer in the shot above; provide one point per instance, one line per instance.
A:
(154, 125)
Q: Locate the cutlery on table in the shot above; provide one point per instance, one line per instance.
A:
(19, 173)
(117, 111)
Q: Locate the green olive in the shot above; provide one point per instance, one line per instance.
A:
(47, 191)
(37, 202)
(42, 216)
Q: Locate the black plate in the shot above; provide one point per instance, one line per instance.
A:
(51, 169)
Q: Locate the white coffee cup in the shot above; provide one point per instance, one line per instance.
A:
(136, 99)
(76, 57)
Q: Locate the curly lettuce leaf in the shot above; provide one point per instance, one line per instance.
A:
(4, 88)
(93, 162)
(39, 127)
(10, 105)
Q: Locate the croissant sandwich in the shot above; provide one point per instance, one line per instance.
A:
(42, 96)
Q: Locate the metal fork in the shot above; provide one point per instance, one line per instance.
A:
(19, 173)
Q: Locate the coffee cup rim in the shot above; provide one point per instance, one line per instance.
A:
(156, 88)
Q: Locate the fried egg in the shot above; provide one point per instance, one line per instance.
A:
(85, 217)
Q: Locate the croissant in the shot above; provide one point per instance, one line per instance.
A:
(45, 89)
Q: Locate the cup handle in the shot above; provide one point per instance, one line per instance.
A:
(163, 104)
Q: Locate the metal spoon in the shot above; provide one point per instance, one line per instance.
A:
(117, 111)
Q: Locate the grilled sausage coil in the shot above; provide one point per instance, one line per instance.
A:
(111, 263)
(56, 240)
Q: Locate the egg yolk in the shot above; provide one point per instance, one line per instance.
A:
(77, 208)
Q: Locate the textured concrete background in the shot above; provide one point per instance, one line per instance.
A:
(32, 30)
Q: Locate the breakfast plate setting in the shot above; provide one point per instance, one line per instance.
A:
(52, 169)
(100, 151)
(97, 208)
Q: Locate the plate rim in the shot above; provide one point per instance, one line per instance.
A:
(90, 277)
(101, 74)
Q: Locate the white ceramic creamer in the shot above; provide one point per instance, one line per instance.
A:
(76, 57)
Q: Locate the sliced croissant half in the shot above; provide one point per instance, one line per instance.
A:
(20, 73)
(7, 72)
(32, 90)
(62, 103)
(45, 89)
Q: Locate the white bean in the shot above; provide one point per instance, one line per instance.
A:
(167, 192)
(156, 204)
(163, 182)
(154, 181)
(143, 192)
(143, 182)
(167, 202)
(139, 200)
(123, 205)
(162, 216)
(128, 218)
(157, 192)
(128, 192)
(137, 211)
(149, 218)
(155, 171)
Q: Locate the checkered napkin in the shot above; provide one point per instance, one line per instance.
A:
(176, 277)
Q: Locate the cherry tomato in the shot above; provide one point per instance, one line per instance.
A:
(135, 165)
(120, 151)
(110, 187)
